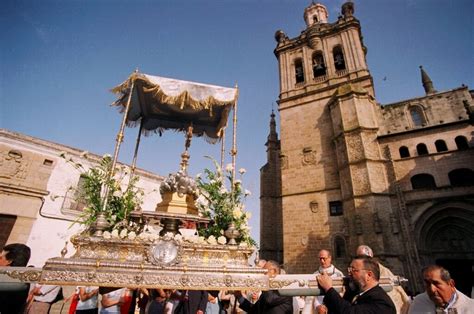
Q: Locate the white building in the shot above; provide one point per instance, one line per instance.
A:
(37, 187)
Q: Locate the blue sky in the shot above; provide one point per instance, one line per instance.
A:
(59, 60)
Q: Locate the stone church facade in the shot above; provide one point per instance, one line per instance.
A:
(348, 171)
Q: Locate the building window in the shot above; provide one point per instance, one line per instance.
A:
(319, 67)
(73, 200)
(441, 146)
(461, 142)
(339, 247)
(421, 149)
(339, 62)
(335, 208)
(461, 177)
(423, 181)
(404, 152)
(299, 72)
(417, 116)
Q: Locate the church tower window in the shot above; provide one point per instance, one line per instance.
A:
(423, 181)
(461, 142)
(417, 117)
(404, 152)
(319, 67)
(339, 247)
(461, 177)
(441, 146)
(339, 62)
(421, 149)
(299, 72)
(335, 208)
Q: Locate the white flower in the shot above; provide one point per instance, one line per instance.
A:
(198, 176)
(115, 234)
(123, 233)
(223, 190)
(212, 240)
(168, 236)
(222, 231)
(247, 192)
(178, 238)
(248, 215)
(106, 235)
(237, 182)
(221, 240)
(132, 235)
(237, 213)
(242, 170)
(202, 201)
(113, 218)
(143, 236)
(243, 244)
(153, 237)
(84, 154)
(229, 167)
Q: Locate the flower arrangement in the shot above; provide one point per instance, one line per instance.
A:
(120, 202)
(223, 206)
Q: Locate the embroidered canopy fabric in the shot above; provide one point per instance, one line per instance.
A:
(161, 103)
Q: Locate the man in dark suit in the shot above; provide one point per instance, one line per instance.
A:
(372, 299)
(13, 295)
(192, 302)
(270, 302)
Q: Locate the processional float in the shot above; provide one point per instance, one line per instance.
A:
(156, 104)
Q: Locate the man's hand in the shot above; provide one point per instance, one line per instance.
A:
(324, 281)
(321, 309)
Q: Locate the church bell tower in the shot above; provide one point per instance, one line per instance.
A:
(333, 174)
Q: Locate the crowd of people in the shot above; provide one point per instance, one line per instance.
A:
(361, 294)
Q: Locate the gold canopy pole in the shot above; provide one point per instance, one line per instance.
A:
(135, 154)
(222, 148)
(233, 151)
(101, 222)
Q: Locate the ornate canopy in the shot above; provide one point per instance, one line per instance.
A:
(160, 103)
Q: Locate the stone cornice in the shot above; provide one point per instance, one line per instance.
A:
(317, 30)
(422, 129)
(55, 148)
(22, 190)
(318, 91)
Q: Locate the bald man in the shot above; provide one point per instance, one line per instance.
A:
(398, 295)
(325, 266)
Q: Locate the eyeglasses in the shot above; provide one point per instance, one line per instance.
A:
(351, 269)
(324, 258)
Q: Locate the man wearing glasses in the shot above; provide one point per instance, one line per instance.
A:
(325, 266)
(372, 299)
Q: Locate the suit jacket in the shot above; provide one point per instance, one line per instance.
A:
(13, 297)
(270, 302)
(195, 300)
(373, 301)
